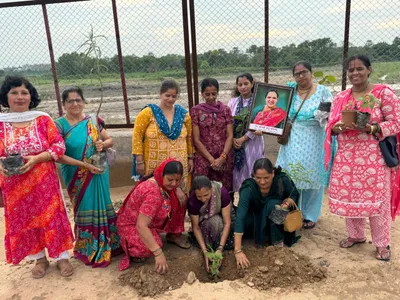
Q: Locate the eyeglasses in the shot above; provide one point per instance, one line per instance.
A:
(71, 101)
(301, 73)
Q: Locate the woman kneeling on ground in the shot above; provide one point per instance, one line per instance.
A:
(269, 189)
(149, 209)
(209, 207)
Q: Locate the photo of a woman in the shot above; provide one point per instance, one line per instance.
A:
(271, 115)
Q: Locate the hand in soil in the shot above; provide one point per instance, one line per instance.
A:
(242, 261)
(161, 264)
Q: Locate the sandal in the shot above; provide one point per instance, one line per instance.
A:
(383, 253)
(65, 267)
(39, 270)
(349, 242)
(177, 240)
(307, 224)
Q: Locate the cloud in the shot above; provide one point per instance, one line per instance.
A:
(355, 7)
(390, 24)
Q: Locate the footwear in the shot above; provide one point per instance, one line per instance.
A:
(39, 270)
(138, 260)
(349, 242)
(383, 253)
(307, 224)
(65, 267)
(178, 240)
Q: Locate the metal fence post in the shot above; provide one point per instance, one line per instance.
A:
(187, 52)
(53, 63)
(120, 62)
(266, 43)
(194, 51)
(346, 42)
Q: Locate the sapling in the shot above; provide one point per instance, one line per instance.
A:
(216, 260)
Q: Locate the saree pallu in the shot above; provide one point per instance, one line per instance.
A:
(95, 231)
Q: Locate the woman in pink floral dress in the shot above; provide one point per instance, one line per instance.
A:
(361, 183)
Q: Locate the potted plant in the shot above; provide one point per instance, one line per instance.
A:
(349, 113)
(12, 162)
(364, 114)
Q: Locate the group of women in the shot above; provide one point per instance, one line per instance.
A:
(196, 161)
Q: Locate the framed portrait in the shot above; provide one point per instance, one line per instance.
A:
(270, 108)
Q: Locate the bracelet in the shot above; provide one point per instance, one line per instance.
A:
(190, 156)
(139, 162)
(85, 164)
(220, 247)
(237, 251)
(156, 250)
(223, 155)
(49, 155)
(158, 254)
(204, 250)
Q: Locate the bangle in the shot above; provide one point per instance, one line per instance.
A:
(204, 250)
(49, 155)
(155, 255)
(190, 156)
(223, 155)
(220, 247)
(139, 162)
(156, 250)
(237, 251)
(85, 164)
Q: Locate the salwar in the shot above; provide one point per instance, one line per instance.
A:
(310, 203)
(41, 254)
(380, 228)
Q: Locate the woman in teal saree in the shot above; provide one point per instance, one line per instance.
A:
(95, 232)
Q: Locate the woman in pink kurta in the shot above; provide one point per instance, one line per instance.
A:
(361, 183)
(34, 209)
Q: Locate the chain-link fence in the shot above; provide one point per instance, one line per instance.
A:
(228, 37)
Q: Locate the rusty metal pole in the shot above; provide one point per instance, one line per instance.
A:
(53, 63)
(120, 61)
(346, 42)
(187, 52)
(194, 51)
(266, 44)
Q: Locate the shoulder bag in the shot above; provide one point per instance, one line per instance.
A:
(283, 139)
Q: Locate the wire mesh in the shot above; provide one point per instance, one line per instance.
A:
(230, 39)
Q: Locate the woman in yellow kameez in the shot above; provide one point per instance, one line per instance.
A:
(161, 132)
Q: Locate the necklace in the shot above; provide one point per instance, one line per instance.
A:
(360, 92)
(165, 197)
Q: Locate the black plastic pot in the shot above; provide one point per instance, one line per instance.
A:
(99, 160)
(362, 119)
(12, 163)
(325, 106)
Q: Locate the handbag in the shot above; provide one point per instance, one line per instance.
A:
(388, 148)
(284, 138)
(294, 220)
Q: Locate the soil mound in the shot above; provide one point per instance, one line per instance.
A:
(270, 267)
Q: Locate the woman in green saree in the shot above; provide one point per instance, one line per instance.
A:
(96, 238)
(268, 189)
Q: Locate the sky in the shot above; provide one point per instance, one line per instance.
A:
(156, 26)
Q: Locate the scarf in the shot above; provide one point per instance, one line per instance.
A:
(240, 154)
(176, 127)
(336, 116)
(19, 117)
(158, 176)
(217, 108)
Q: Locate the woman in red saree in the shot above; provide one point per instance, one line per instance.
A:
(150, 208)
(271, 115)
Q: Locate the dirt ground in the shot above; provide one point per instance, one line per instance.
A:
(295, 273)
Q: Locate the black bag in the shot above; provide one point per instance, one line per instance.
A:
(388, 148)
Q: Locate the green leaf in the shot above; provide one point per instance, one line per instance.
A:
(319, 74)
(330, 78)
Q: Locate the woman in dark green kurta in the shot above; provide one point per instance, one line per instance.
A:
(257, 198)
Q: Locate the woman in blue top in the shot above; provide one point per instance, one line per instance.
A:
(305, 146)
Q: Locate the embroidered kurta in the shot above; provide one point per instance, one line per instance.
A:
(306, 140)
(34, 209)
(253, 148)
(149, 141)
(360, 184)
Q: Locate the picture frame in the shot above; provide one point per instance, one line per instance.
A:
(269, 111)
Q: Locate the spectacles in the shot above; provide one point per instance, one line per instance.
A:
(301, 73)
(77, 101)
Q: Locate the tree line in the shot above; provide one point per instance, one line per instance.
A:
(320, 52)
